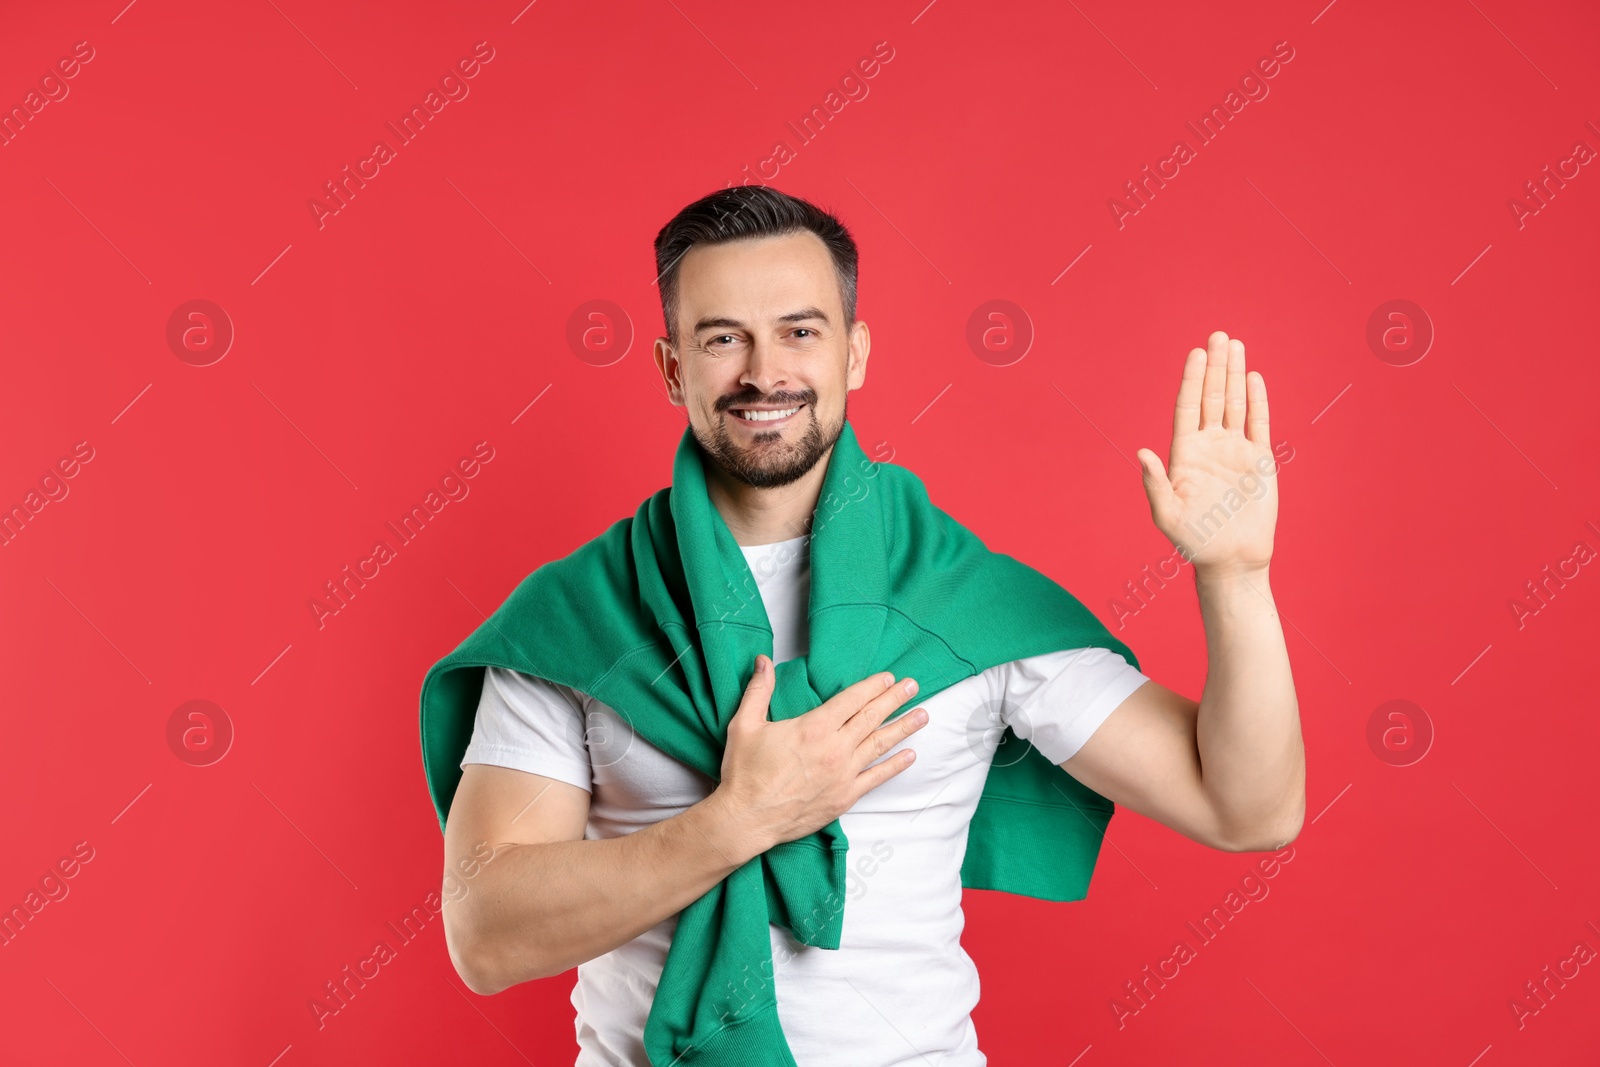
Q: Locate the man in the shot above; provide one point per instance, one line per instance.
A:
(571, 840)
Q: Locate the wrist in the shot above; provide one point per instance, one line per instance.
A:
(1231, 575)
(731, 830)
(1233, 594)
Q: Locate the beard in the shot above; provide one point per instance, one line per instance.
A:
(770, 460)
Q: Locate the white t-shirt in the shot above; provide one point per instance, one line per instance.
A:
(900, 986)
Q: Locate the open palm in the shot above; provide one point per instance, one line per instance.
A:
(1217, 498)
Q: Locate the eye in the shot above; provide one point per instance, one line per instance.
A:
(805, 329)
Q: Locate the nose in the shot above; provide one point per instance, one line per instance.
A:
(764, 370)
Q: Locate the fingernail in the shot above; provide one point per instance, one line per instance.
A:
(919, 716)
(911, 686)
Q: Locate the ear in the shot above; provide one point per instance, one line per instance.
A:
(860, 348)
(671, 370)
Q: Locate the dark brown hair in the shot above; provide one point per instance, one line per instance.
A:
(749, 211)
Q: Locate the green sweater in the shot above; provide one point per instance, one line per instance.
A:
(660, 619)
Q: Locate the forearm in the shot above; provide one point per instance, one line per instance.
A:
(1248, 729)
(540, 909)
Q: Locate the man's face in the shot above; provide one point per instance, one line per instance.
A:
(763, 363)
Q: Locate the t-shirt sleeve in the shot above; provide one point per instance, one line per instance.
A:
(530, 724)
(1055, 701)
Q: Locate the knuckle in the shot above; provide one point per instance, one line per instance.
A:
(873, 743)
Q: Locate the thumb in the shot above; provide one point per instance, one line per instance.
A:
(1156, 485)
(1155, 472)
(758, 693)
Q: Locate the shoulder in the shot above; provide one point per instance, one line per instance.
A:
(1088, 661)
(1066, 684)
(517, 689)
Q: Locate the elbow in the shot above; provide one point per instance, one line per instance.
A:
(1268, 836)
(476, 962)
(472, 969)
(1269, 842)
(486, 967)
(477, 979)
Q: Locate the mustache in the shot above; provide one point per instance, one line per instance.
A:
(747, 399)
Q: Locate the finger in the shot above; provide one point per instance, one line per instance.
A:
(1256, 428)
(1156, 484)
(1155, 472)
(1186, 413)
(882, 771)
(1233, 405)
(852, 698)
(757, 693)
(1215, 379)
(880, 707)
(889, 735)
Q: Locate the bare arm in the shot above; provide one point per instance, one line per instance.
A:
(1230, 771)
(1249, 718)
(548, 899)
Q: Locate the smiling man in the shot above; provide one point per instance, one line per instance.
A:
(692, 744)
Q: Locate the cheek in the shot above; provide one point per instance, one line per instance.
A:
(707, 406)
(830, 398)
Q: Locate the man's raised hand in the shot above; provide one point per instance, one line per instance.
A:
(1217, 499)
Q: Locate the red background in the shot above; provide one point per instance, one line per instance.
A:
(372, 352)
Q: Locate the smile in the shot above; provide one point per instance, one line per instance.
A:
(763, 416)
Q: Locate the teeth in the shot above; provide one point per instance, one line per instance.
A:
(765, 416)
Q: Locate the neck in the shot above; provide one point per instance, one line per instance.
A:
(766, 516)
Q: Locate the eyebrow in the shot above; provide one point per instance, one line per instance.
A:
(802, 315)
